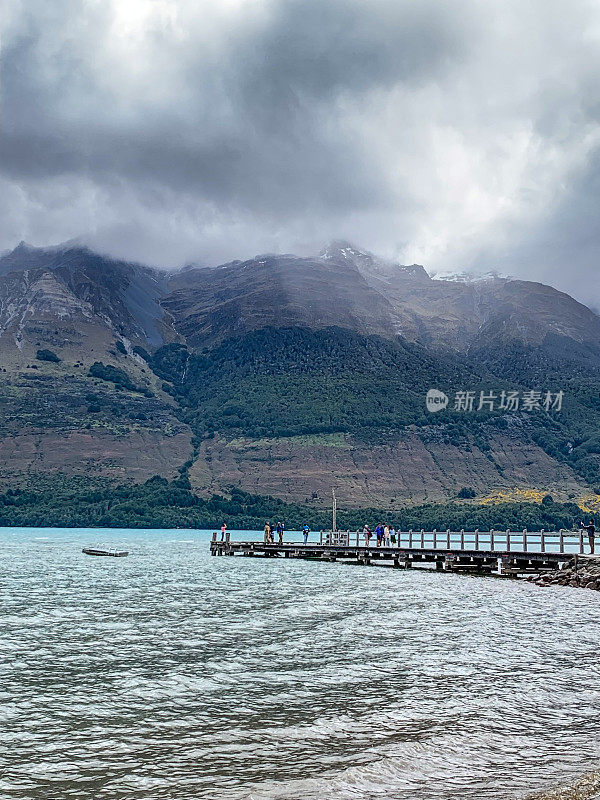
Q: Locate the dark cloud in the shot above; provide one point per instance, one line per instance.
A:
(252, 124)
(457, 134)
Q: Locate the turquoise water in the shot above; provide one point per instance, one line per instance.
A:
(171, 674)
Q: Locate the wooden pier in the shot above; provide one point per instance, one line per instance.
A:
(508, 553)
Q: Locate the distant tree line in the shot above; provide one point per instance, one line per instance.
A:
(65, 501)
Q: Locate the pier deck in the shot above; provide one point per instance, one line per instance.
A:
(506, 553)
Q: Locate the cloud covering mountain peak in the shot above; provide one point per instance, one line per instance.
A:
(438, 133)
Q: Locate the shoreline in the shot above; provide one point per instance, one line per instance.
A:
(586, 788)
(582, 572)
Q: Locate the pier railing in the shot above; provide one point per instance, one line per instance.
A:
(524, 541)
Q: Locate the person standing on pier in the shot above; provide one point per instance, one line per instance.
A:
(280, 532)
(379, 534)
(223, 529)
(386, 536)
(591, 532)
(305, 532)
(267, 532)
(367, 535)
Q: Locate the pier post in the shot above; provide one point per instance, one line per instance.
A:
(448, 539)
(462, 538)
(542, 542)
(561, 540)
(524, 540)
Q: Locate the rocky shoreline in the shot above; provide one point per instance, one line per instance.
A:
(586, 788)
(582, 572)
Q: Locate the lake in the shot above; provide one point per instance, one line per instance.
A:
(171, 674)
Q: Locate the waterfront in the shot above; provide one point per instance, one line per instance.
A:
(169, 674)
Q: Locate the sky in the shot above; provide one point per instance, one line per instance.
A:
(458, 135)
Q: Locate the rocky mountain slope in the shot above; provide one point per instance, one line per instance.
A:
(283, 375)
(353, 289)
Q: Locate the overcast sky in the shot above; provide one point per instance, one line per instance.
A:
(460, 135)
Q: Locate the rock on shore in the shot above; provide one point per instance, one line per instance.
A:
(580, 572)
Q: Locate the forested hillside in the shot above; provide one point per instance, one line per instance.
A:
(290, 381)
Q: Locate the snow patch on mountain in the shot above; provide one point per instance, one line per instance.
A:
(472, 277)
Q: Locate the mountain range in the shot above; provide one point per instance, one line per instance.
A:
(286, 376)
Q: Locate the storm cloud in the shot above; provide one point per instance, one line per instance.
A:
(461, 135)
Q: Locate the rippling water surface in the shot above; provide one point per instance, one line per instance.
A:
(171, 674)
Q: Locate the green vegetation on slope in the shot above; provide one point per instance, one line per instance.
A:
(47, 355)
(76, 502)
(46, 402)
(292, 381)
(119, 377)
(570, 436)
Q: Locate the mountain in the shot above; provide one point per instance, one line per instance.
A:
(353, 289)
(210, 305)
(121, 295)
(283, 375)
(79, 308)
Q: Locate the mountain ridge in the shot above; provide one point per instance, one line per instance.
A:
(270, 373)
(343, 285)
